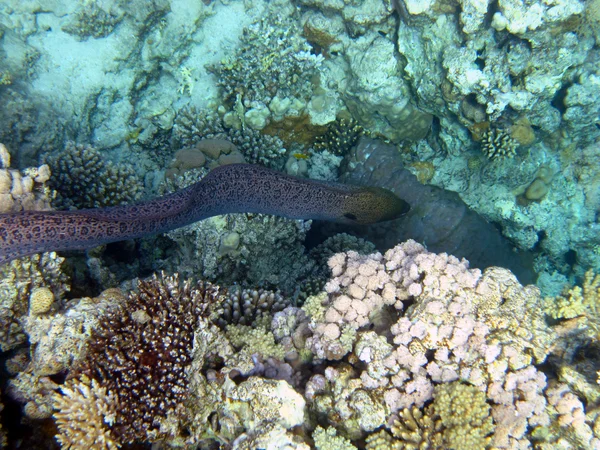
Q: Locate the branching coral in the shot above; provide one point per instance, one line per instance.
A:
(85, 411)
(457, 325)
(83, 179)
(497, 144)
(340, 137)
(140, 351)
(249, 306)
(578, 301)
(274, 68)
(192, 125)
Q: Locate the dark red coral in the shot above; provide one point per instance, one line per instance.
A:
(139, 352)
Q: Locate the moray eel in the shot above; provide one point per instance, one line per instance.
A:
(235, 188)
(439, 219)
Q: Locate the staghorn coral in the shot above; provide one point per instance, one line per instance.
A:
(83, 179)
(140, 351)
(84, 413)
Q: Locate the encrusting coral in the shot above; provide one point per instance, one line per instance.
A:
(18, 281)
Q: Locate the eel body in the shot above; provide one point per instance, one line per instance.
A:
(235, 188)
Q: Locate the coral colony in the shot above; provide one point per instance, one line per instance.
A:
(248, 331)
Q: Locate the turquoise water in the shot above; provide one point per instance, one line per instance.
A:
(483, 116)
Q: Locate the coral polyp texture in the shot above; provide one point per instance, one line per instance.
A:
(84, 179)
(452, 323)
(84, 412)
(139, 353)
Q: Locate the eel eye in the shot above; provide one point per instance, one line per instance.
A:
(350, 216)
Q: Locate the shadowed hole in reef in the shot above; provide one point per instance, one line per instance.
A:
(559, 98)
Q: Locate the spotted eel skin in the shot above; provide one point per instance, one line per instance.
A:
(234, 188)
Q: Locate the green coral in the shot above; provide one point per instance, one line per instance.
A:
(259, 340)
(458, 418)
(416, 429)
(314, 308)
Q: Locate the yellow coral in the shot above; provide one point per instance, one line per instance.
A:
(84, 413)
(577, 301)
(40, 301)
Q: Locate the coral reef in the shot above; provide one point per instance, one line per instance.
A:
(83, 179)
(496, 143)
(270, 76)
(59, 340)
(243, 248)
(27, 126)
(84, 412)
(191, 126)
(139, 353)
(402, 350)
(91, 20)
(340, 137)
(19, 280)
(456, 324)
(249, 306)
(25, 190)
